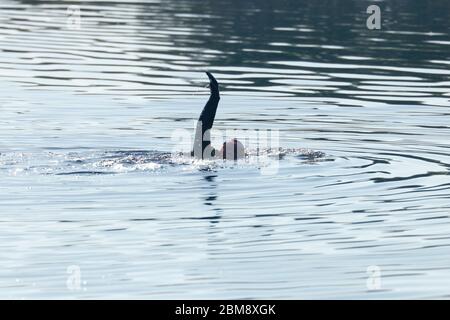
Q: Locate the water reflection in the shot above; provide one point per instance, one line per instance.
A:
(156, 48)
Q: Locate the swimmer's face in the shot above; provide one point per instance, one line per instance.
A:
(232, 150)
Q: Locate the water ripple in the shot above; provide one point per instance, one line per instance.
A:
(82, 110)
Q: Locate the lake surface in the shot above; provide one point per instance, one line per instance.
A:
(92, 207)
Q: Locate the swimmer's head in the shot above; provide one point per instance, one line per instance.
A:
(232, 150)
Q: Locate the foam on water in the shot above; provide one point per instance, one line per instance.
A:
(112, 162)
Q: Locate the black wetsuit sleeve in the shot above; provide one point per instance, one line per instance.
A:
(206, 121)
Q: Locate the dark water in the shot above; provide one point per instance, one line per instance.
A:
(88, 181)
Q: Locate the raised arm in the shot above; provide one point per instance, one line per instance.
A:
(202, 143)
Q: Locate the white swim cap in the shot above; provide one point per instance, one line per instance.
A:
(232, 150)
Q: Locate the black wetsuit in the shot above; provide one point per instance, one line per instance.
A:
(202, 144)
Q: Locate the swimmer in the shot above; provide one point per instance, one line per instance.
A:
(202, 149)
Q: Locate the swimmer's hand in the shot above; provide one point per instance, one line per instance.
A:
(213, 84)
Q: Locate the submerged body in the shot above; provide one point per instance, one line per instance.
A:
(202, 149)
